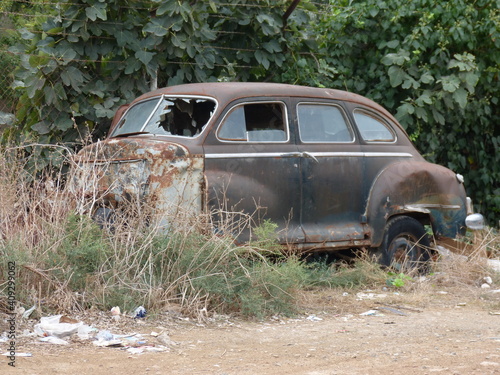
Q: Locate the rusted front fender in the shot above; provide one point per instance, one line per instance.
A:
(418, 189)
(163, 175)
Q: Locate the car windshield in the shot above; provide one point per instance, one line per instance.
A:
(172, 116)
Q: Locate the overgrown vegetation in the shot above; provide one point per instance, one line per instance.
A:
(65, 261)
(13, 16)
(435, 65)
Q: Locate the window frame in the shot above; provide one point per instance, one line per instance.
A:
(286, 122)
(342, 111)
(377, 117)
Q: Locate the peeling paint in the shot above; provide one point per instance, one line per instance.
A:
(158, 174)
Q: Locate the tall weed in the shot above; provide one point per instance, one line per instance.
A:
(65, 261)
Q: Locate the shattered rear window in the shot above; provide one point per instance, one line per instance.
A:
(171, 116)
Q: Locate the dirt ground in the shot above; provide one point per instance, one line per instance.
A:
(450, 331)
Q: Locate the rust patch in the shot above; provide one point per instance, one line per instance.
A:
(160, 174)
(411, 187)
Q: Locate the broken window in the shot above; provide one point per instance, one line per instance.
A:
(255, 122)
(184, 117)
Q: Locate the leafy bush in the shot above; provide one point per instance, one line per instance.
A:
(8, 63)
(80, 252)
(434, 65)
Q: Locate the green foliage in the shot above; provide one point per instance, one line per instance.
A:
(7, 64)
(14, 15)
(77, 254)
(331, 275)
(67, 253)
(82, 250)
(267, 237)
(435, 65)
(212, 272)
(90, 57)
(253, 287)
(397, 280)
(225, 277)
(72, 257)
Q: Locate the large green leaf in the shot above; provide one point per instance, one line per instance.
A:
(396, 75)
(424, 99)
(39, 60)
(272, 46)
(73, 77)
(26, 34)
(96, 10)
(460, 95)
(159, 27)
(262, 58)
(132, 65)
(33, 84)
(450, 83)
(41, 128)
(124, 37)
(396, 58)
(144, 56)
(168, 6)
(63, 123)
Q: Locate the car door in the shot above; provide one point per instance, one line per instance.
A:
(252, 169)
(331, 175)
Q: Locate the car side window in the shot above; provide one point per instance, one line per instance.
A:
(255, 122)
(323, 123)
(372, 129)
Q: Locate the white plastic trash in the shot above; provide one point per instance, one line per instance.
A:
(84, 332)
(50, 326)
(54, 340)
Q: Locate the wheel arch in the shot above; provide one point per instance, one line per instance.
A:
(427, 192)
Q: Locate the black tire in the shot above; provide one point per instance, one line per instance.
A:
(104, 217)
(406, 245)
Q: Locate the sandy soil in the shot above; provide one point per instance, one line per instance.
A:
(436, 331)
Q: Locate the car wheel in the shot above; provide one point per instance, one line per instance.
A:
(104, 217)
(406, 245)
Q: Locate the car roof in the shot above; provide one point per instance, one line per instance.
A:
(248, 89)
(226, 92)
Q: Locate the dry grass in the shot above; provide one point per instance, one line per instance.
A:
(64, 261)
(458, 274)
(468, 264)
(454, 281)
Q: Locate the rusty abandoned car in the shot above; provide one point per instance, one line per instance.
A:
(332, 169)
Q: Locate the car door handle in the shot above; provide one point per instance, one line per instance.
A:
(306, 154)
(292, 155)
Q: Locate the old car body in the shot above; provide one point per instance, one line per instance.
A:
(330, 168)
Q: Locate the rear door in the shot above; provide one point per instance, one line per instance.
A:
(331, 174)
(252, 169)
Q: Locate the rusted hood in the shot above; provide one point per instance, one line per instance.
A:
(128, 149)
(161, 174)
